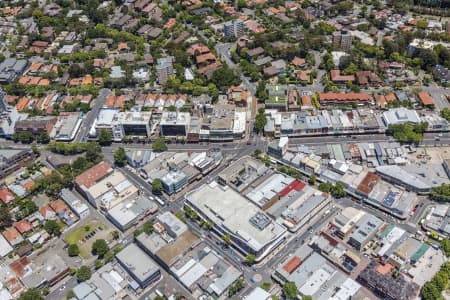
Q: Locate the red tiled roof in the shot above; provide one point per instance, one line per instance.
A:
(306, 100)
(11, 234)
(58, 206)
(205, 57)
(343, 97)
(295, 185)
(336, 76)
(425, 98)
(292, 264)
(368, 183)
(91, 176)
(23, 226)
(19, 266)
(6, 196)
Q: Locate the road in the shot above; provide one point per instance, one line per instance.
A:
(91, 115)
(223, 50)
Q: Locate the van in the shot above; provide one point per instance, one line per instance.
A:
(159, 293)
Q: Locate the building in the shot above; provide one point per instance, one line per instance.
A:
(277, 97)
(139, 265)
(36, 125)
(44, 270)
(387, 286)
(342, 40)
(136, 123)
(66, 126)
(11, 68)
(13, 159)
(250, 229)
(278, 148)
(164, 69)
(346, 220)
(258, 294)
(174, 124)
(441, 73)
(75, 204)
(174, 181)
(128, 212)
(233, 28)
(400, 115)
(344, 98)
(107, 119)
(366, 229)
(5, 247)
(91, 176)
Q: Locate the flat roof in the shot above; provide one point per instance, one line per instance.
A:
(137, 263)
(5, 247)
(232, 211)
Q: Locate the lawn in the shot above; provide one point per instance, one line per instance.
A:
(78, 236)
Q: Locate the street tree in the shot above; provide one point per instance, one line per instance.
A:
(52, 227)
(83, 273)
(104, 137)
(290, 290)
(159, 146)
(120, 157)
(157, 186)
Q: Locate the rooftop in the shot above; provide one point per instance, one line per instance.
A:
(139, 264)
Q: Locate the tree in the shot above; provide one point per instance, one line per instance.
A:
(445, 113)
(445, 245)
(83, 273)
(73, 250)
(441, 193)
(120, 157)
(159, 146)
(260, 120)
(257, 153)
(157, 186)
(100, 247)
(5, 217)
(312, 179)
(104, 137)
(227, 239)
(250, 259)
(98, 264)
(115, 235)
(266, 286)
(290, 290)
(31, 294)
(52, 227)
(148, 227)
(224, 77)
(70, 294)
(236, 287)
(338, 191)
(307, 297)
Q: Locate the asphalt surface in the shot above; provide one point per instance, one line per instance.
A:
(91, 115)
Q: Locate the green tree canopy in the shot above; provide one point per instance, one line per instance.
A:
(157, 186)
(148, 227)
(73, 250)
(120, 157)
(83, 273)
(260, 120)
(52, 227)
(100, 247)
(250, 259)
(104, 137)
(290, 290)
(31, 294)
(159, 146)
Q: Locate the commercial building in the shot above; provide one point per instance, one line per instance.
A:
(75, 204)
(400, 115)
(438, 220)
(174, 181)
(233, 28)
(44, 270)
(164, 69)
(131, 210)
(36, 125)
(139, 265)
(107, 119)
(278, 148)
(174, 124)
(91, 176)
(8, 120)
(365, 230)
(277, 97)
(136, 123)
(420, 179)
(108, 282)
(13, 159)
(250, 229)
(66, 126)
(346, 220)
